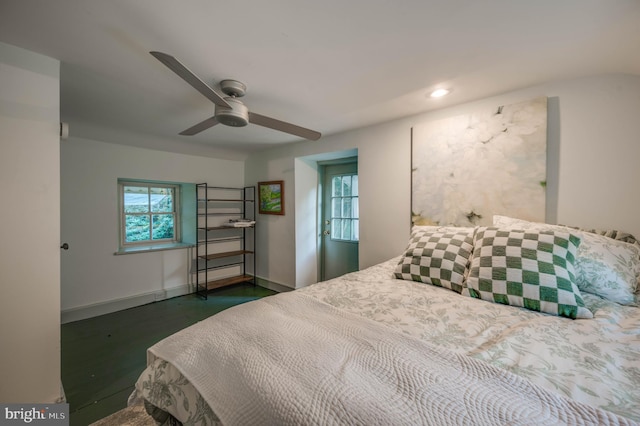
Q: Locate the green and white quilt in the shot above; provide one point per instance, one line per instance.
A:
(592, 361)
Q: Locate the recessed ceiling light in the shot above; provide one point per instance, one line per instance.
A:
(438, 93)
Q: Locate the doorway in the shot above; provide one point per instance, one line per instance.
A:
(340, 218)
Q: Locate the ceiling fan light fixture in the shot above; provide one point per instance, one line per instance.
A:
(236, 116)
(438, 93)
(229, 111)
(233, 88)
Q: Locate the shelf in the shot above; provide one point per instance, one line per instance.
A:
(225, 188)
(220, 240)
(218, 267)
(227, 281)
(214, 209)
(225, 200)
(225, 254)
(218, 228)
(222, 214)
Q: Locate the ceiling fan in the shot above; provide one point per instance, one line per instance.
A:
(229, 110)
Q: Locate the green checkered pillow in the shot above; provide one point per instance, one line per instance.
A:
(436, 257)
(607, 267)
(530, 269)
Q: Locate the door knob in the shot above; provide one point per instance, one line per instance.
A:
(327, 222)
(64, 246)
(327, 232)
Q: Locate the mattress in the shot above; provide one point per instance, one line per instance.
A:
(595, 361)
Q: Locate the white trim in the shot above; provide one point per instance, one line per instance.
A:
(62, 399)
(102, 308)
(152, 247)
(280, 288)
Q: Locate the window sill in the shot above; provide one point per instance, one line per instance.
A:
(152, 247)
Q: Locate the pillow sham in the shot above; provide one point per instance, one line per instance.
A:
(440, 258)
(611, 233)
(529, 269)
(605, 267)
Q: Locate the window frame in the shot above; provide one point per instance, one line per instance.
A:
(351, 219)
(176, 214)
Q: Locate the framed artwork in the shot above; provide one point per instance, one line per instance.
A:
(271, 199)
(467, 168)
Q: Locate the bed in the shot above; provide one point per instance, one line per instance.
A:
(414, 341)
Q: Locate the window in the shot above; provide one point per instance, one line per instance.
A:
(344, 208)
(148, 213)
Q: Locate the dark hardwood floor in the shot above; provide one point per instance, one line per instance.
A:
(102, 357)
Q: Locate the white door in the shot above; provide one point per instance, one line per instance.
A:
(340, 221)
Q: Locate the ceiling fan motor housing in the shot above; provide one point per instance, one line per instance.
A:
(236, 116)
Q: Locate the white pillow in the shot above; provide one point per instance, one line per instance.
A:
(604, 266)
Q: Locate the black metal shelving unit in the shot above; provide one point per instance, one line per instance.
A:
(217, 267)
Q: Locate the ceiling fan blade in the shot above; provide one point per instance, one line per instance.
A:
(283, 126)
(183, 72)
(203, 125)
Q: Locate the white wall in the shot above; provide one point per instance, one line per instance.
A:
(29, 253)
(384, 218)
(592, 171)
(94, 280)
(306, 203)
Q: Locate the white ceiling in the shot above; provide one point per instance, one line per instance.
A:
(329, 65)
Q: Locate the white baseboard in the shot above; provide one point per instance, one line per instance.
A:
(280, 288)
(62, 399)
(102, 308)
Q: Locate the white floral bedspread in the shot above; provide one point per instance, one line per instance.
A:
(595, 361)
